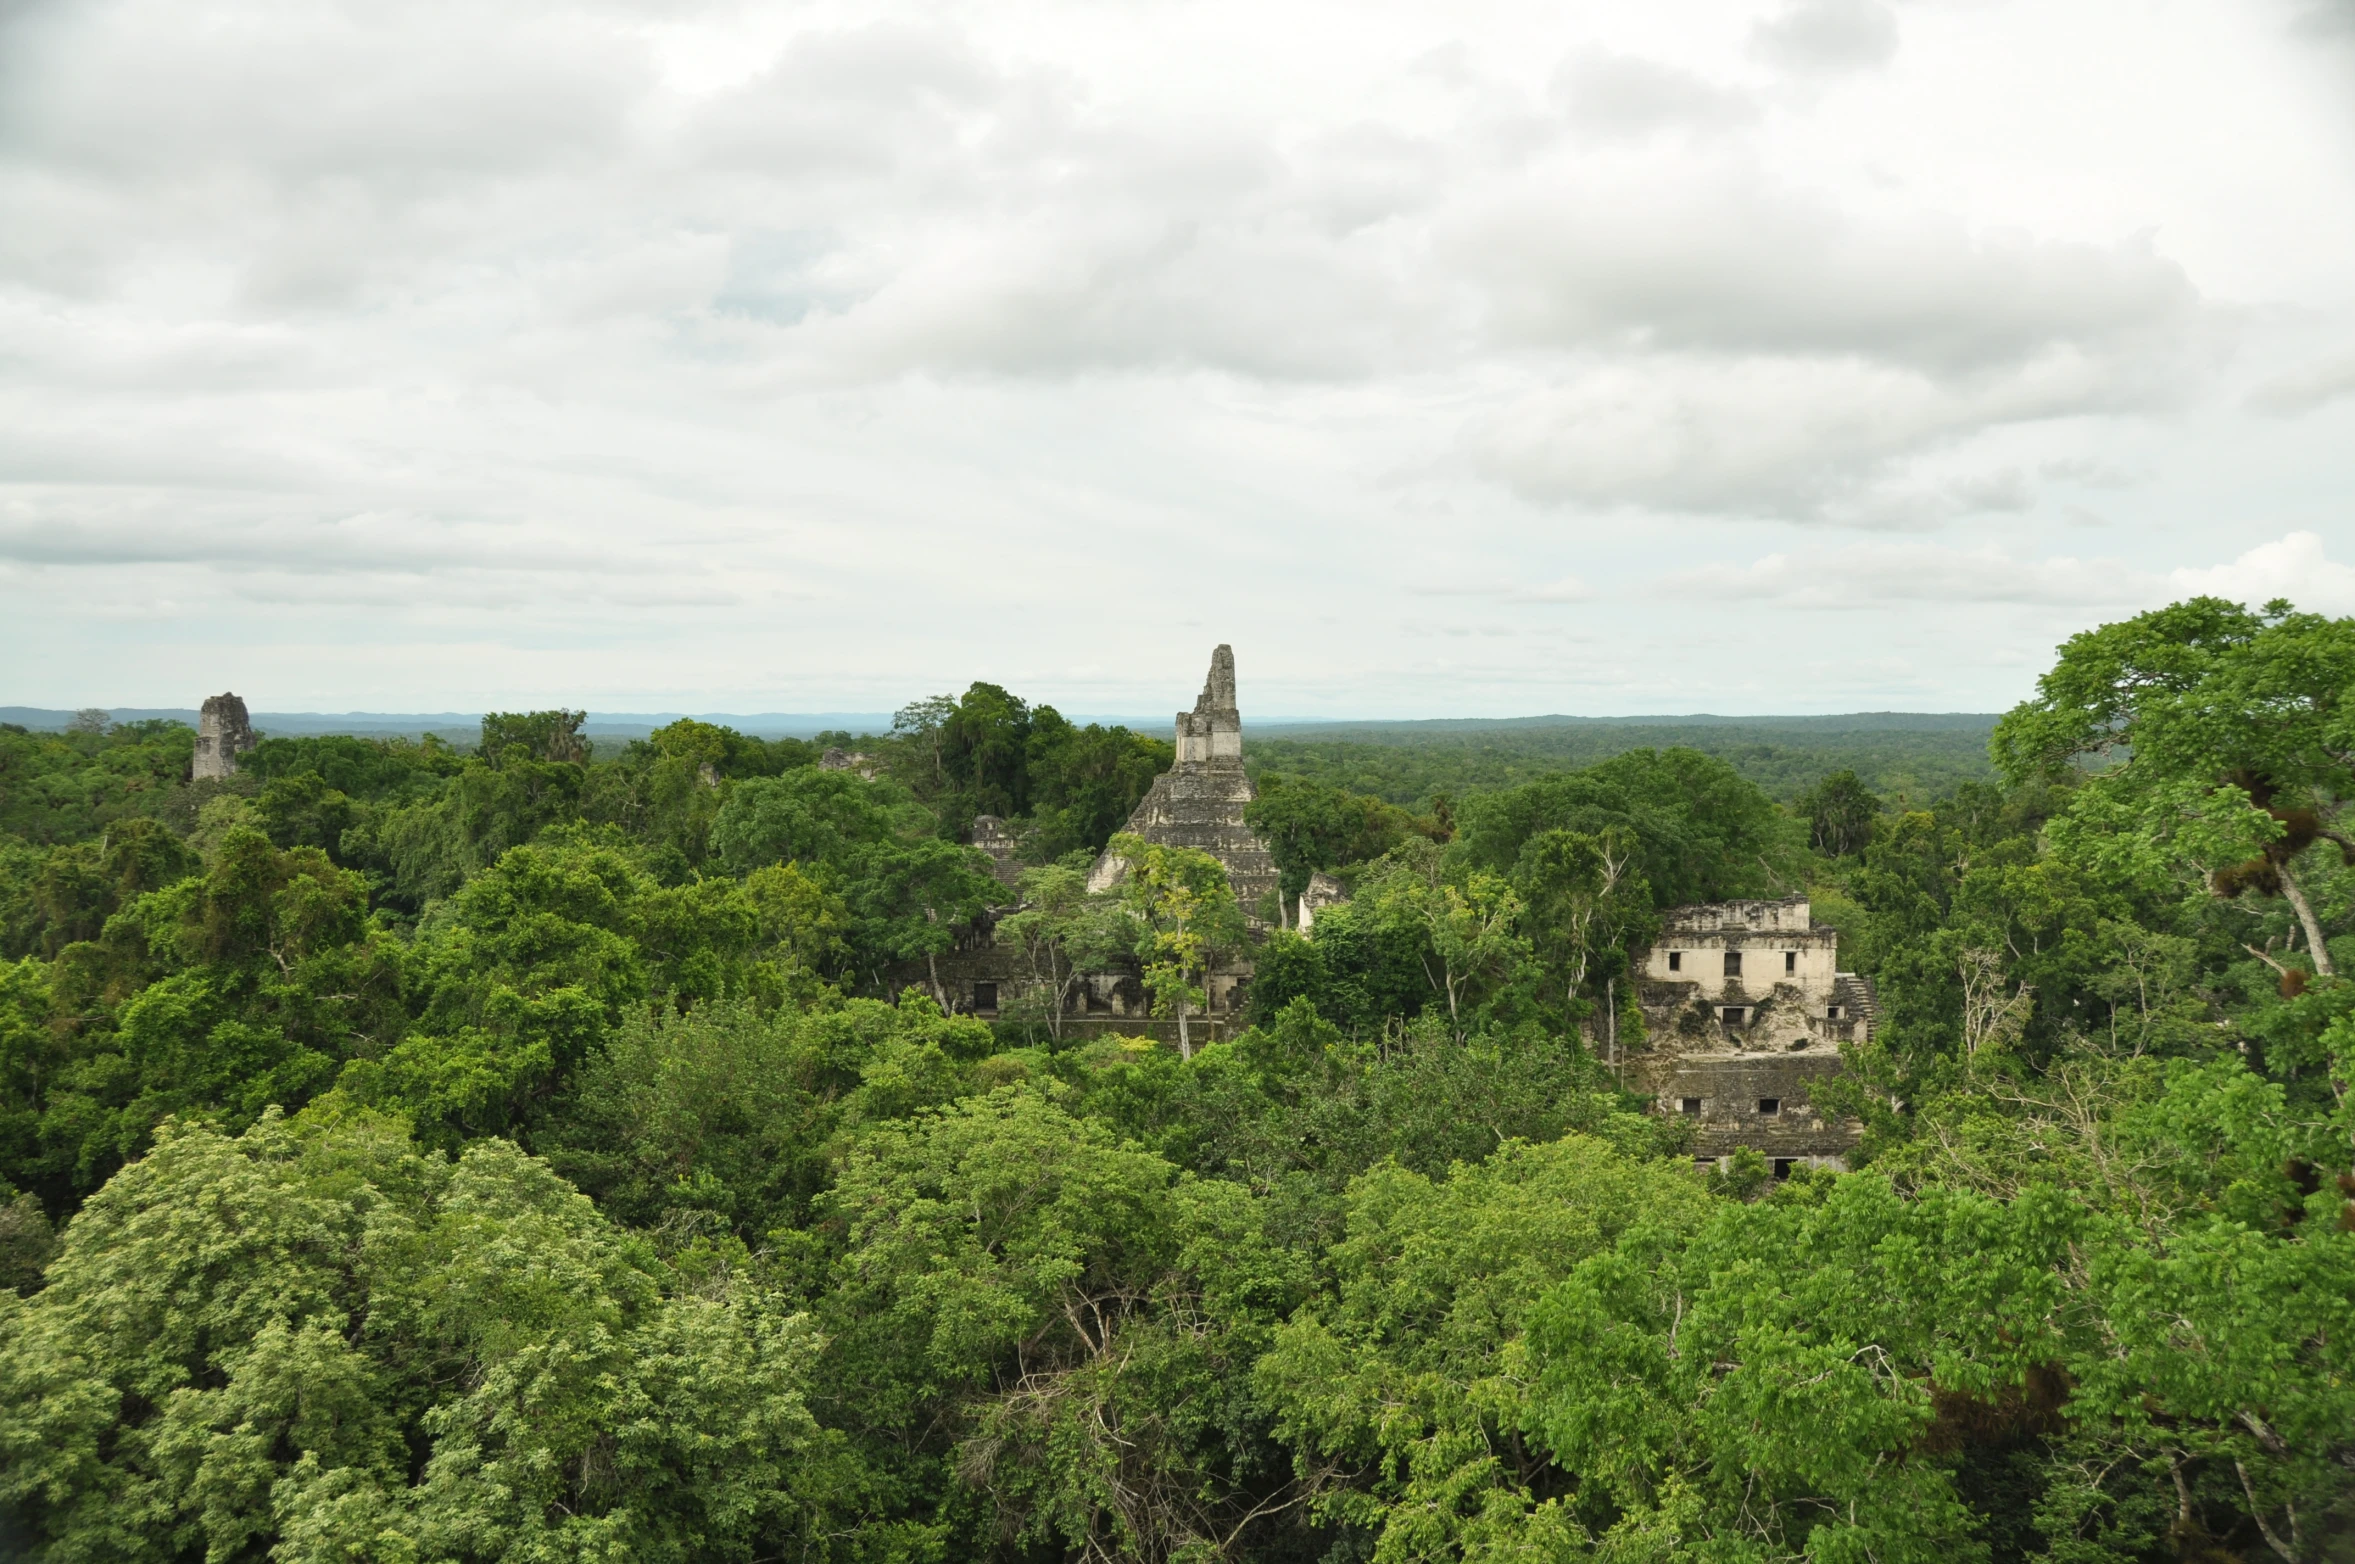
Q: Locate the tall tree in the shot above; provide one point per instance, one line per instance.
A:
(1585, 906)
(1474, 944)
(1064, 932)
(2226, 739)
(1839, 812)
(1186, 910)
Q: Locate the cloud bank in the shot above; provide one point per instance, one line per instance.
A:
(802, 355)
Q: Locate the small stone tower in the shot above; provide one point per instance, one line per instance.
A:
(1213, 730)
(222, 734)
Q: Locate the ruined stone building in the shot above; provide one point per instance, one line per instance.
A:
(1745, 1009)
(1199, 801)
(1744, 1005)
(223, 733)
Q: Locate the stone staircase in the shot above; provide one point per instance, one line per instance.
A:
(1856, 991)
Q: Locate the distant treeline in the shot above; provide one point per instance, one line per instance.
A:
(1901, 755)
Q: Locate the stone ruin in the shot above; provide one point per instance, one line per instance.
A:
(994, 837)
(223, 733)
(1199, 801)
(1745, 1010)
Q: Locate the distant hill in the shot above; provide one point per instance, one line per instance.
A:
(1899, 754)
(1417, 729)
(1904, 755)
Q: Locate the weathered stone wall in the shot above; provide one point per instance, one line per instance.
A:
(991, 835)
(1323, 891)
(995, 981)
(223, 733)
(1743, 1003)
(1199, 801)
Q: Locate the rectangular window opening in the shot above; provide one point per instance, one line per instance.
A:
(1704, 1164)
(1768, 1107)
(1688, 1105)
(1832, 1012)
(1731, 1015)
(985, 996)
(1676, 961)
(1733, 963)
(1783, 1166)
(1790, 961)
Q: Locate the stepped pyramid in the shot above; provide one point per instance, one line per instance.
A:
(1199, 801)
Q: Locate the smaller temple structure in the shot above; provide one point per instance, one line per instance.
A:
(994, 837)
(223, 732)
(1745, 1010)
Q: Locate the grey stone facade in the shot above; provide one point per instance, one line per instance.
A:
(223, 733)
(1323, 891)
(1745, 1010)
(1199, 801)
(992, 837)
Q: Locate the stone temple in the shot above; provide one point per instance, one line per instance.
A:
(223, 733)
(1199, 801)
(1745, 1010)
(1745, 1007)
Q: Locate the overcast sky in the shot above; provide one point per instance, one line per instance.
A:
(1463, 358)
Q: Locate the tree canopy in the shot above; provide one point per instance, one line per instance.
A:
(547, 1154)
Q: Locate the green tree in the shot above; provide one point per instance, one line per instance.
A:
(921, 729)
(984, 749)
(811, 818)
(1839, 811)
(548, 736)
(1085, 783)
(310, 1343)
(1473, 942)
(2127, 1319)
(1702, 832)
(715, 1118)
(1187, 918)
(909, 895)
(69, 787)
(1406, 1382)
(1064, 932)
(221, 994)
(1311, 827)
(1060, 1323)
(1585, 907)
(2229, 742)
(917, 901)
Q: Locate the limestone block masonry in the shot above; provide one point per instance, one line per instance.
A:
(1745, 1010)
(1199, 801)
(222, 734)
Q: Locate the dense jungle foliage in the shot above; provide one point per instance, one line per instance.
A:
(415, 1155)
(1904, 757)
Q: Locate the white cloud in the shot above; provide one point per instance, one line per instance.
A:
(1864, 576)
(719, 347)
(1827, 35)
(2292, 567)
(1627, 95)
(2306, 388)
(1796, 438)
